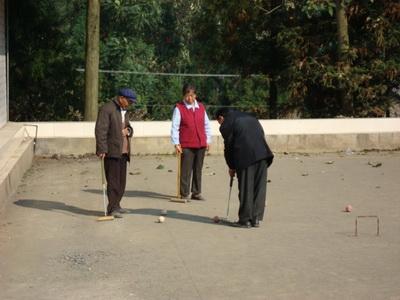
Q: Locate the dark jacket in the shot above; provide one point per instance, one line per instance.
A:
(108, 130)
(244, 141)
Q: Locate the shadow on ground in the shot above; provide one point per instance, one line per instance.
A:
(172, 214)
(138, 194)
(60, 206)
(53, 206)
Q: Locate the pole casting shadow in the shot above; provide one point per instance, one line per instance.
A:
(53, 206)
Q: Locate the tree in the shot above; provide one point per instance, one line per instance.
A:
(45, 50)
(92, 60)
(287, 67)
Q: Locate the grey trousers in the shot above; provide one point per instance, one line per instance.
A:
(252, 183)
(191, 170)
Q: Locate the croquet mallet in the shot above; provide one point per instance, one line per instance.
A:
(229, 198)
(178, 197)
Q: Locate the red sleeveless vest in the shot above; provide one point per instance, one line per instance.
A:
(192, 133)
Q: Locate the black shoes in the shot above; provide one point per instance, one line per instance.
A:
(116, 214)
(186, 198)
(122, 210)
(239, 224)
(247, 224)
(255, 222)
(197, 197)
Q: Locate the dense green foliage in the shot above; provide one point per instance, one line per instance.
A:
(285, 52)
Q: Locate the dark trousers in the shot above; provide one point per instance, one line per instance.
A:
(252, 183)
(191, 169)
(115, 169)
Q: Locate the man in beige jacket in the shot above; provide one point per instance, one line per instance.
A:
(113, 132)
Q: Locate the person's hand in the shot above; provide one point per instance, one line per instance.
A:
(208, 147)
(178, 149)
(232, 172)
(125, 132)
(101, 155)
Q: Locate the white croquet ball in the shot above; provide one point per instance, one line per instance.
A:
(161, 219)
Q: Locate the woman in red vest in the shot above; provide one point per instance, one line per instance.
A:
(191, 136)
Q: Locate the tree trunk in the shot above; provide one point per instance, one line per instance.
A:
(275, 63)
(343, 48)
(92, 59)
(342, 30)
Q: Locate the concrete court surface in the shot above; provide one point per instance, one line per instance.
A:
(51, 246)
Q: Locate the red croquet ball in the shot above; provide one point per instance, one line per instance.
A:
(216, 219)
(348, 208)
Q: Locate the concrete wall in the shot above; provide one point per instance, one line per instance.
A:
(16, 155)
(314, 135)
(3, 64)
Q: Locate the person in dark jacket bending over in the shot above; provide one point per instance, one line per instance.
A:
(113, 132)
(191, 136)
(247, 155)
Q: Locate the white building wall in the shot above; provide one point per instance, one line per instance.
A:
(3, 64)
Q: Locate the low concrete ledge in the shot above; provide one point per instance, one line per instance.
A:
(16, 155)
(305, 143)
(315, 143)
(310, 135)
(271, 127)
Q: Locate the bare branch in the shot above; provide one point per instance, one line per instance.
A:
(267, 12)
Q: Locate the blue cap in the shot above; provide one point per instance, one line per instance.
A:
(128, 93)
